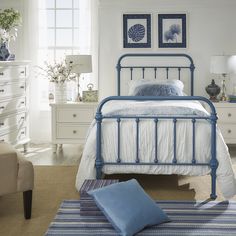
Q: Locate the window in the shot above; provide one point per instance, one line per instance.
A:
(64, 28)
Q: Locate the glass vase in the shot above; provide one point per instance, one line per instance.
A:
(60, 93)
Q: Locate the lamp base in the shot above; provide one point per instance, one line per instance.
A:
(223, 96)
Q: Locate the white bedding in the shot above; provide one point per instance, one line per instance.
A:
(225, 174)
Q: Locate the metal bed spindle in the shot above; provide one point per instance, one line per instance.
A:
(156, 140)
(194, 159)
(155, 72)
(118, 142)
(137, 140)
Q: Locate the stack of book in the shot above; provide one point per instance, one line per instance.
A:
(232, 98)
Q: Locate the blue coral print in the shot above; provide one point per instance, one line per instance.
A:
(171, 35)
(136, 33)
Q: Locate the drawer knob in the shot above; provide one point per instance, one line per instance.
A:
(22, 102)
(229, 114)
(22, 72)
(22, 118)
(74, 115)
(2, 140)
(1, 73)
(22, 132)
(229, 131)
(22, 87)
(2, 107)
(1, 90)
(74, 131)
(1, 124)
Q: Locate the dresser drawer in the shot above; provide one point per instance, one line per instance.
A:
(10, 73)
(12, 89)
(16, 120)
(75, 115)
(69, 131)
(228, 130)
(13, 136)
(226, 115)
(12, 105)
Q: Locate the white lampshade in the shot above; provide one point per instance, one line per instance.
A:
(232, 64)
(80, 63)
(219, 64)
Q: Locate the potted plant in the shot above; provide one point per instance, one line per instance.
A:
(58, 73)
(9, 20)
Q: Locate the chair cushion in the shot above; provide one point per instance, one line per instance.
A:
(128, 208)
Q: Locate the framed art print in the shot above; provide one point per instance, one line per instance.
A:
(172, 31)
(137, 30)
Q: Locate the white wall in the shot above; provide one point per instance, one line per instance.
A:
(210, 31)
(40, 131)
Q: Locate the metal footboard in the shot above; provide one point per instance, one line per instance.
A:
(212, 119)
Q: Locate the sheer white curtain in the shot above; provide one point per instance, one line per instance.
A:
(43, 41)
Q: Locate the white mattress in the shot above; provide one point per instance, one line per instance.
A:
(225, 174)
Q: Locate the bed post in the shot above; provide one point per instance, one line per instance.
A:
(98, 161)
(213, 162)
(118, 68)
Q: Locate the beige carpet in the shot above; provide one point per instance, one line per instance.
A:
(56, 183)
(52, 185)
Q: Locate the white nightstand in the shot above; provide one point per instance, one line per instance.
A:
(226, 112)
(70, 122)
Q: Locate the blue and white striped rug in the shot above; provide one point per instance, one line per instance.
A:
(188, 218)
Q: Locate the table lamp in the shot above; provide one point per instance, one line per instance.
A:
(219, 66)
(79, 64)
(232, 70)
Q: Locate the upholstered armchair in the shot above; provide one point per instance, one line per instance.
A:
(16, 175)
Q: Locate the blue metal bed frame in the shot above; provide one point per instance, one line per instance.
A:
(212, 118)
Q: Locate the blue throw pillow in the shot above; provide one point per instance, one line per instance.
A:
(128, 208)
(157, 90)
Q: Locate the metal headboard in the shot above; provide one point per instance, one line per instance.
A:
(191, 67)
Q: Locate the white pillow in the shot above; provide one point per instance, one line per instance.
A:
(133, 84)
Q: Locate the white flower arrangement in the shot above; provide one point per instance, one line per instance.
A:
(57, 72)
(9, 20)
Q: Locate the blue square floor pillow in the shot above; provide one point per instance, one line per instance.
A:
(127, 207)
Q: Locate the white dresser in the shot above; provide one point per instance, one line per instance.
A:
(226, 112)
(14, 125)
(70, 122)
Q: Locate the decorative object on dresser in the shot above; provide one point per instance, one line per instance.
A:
(70, 122)
(58, 73)
(9, 20)
(14, 124)
(232, 98)
(90, 95)
(213, 90)
(79, 64)
(226, 112)
(219, 65)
